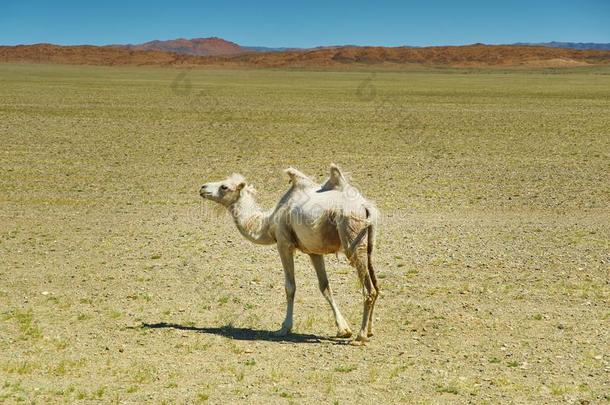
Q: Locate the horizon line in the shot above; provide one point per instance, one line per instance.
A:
(524, 43)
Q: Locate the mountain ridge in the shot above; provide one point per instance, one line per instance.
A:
(568, 45)
(210, 46)
(215, 46)
(215, 51)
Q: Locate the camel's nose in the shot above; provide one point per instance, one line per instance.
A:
(203, 189)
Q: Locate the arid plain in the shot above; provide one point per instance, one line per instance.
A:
(119, 284)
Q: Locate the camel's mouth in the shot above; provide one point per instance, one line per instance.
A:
(204, 193)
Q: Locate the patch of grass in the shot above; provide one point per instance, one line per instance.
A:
(397, 370)
(201, 397)
(142, 373)
(373, 375)
(235, 348)
(275, 375)
(28, 327)
(347, 368)
(60, 369)
(309, 322)
(537, 317)
(494, 360)
(286, 394)
(14, 391)
(239, 373)
(512, 364)
(146, 297)
(449, 389)
(65, 366)
(98, 393)
(558, 390)
(60, 344)
(83, 317)
(411, 273)
(21, 367)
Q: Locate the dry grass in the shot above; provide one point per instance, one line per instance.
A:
(494, 255)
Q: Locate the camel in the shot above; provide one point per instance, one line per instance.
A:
(316, 220)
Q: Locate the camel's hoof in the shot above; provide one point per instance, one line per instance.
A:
(357, 342)
(361, 338)
(370, 333)
(346, 333)
(281, 333)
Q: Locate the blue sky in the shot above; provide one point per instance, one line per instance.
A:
(305, 23)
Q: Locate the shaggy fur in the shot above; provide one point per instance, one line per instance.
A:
(316, 220)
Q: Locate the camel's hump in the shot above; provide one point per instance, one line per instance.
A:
(297, 178)
(336, 179)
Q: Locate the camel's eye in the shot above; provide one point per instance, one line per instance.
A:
(223, 187)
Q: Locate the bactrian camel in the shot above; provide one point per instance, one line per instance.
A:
(315, 219)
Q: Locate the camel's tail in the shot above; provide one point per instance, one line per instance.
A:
(372, 218)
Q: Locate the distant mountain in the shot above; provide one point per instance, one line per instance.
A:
(212, 46)
(477, 55)
(267, 49)
(569, 45)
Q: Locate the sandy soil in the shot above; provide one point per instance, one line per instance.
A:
(119, 285)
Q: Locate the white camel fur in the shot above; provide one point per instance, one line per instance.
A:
(317, 220)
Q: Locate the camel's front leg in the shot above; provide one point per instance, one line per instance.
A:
(287, 256)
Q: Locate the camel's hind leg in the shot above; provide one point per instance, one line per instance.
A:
(370, 295)
(349, 229)
(376, 286)
(318, 263)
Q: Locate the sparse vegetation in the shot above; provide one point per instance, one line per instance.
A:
(345, 368)
(449, 389)
(493, 248)
(28, 327)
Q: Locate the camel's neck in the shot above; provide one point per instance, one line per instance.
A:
(251, 221)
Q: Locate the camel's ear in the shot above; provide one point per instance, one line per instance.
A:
(240, 186)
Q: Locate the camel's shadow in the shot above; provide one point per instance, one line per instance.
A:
(232, 332)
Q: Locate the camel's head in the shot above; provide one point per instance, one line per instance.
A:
(225, 192)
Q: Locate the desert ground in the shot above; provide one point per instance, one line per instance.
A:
(118, 284)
